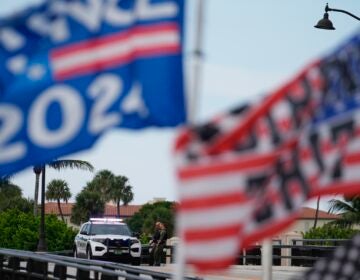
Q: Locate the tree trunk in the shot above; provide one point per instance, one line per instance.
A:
(317, 212)
(60, 211)
(118, 208)
(36, 195)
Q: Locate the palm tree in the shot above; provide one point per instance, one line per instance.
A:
(58, 165)
(128, 196)
(120, 191)
(349, 209)
(88, 203)
(58, 190)
(102, 183)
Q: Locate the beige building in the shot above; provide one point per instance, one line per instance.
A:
(306, 219)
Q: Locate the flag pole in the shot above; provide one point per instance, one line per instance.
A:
(193, 99)
(197, 57)
(266, 259)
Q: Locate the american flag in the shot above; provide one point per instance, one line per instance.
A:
(114, 50)
(244, 174)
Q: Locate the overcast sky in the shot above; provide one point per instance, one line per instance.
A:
(251, 47)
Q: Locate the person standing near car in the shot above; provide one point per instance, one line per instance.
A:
(159, 249)
(153, 242)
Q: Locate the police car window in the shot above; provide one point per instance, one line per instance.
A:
(117, 229)
(85, 229)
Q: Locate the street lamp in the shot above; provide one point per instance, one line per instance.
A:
(37, 170)
(325, 23)
(42, 247)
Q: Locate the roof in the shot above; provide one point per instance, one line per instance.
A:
(309, 213)
(52, 208)
(130, 210)
(110, 210)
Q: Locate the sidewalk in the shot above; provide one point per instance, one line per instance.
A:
(241, 272)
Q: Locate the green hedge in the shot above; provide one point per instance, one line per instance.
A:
(20, 230)
(330, 231)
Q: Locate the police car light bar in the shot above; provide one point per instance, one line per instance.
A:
(107, 220)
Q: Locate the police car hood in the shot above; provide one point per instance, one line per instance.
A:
(112, 237)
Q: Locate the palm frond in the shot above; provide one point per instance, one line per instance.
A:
(349, 208)
(337, 205)
(72, 164)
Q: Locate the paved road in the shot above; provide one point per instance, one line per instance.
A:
(243, 272)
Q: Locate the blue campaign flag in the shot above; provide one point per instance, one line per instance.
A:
(72, 69)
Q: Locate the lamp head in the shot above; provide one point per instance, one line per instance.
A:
(325, 23)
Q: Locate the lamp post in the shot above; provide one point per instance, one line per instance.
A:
(42, 240)
(325, 22)
(37, 170)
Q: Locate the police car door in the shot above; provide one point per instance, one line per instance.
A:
(82, 239)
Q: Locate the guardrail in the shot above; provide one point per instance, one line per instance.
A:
(24, 265)
(21, 265)
(301, 252)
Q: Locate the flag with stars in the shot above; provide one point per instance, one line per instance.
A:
(342, 264)
(72, 69)
(244, 175)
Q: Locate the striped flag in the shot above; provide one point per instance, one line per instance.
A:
(245, 174)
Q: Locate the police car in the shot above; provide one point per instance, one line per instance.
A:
(109, 239)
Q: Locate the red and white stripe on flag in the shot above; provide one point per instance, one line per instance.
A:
(214, 205)
(115, 49)
(244, 175)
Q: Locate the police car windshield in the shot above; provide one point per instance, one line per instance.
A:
(116, 229)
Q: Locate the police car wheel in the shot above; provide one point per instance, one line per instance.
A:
(75, 252)
(136, 261)
(88, 253)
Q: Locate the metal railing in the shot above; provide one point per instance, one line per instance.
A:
(24, 265)
(301, 252)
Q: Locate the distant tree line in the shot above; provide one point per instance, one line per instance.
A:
(19, 227)
(19, 220)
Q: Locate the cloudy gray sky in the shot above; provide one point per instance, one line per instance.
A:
(251, 47)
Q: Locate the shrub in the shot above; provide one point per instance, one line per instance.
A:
(20, 231)
(59, 236)
(330, 231)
